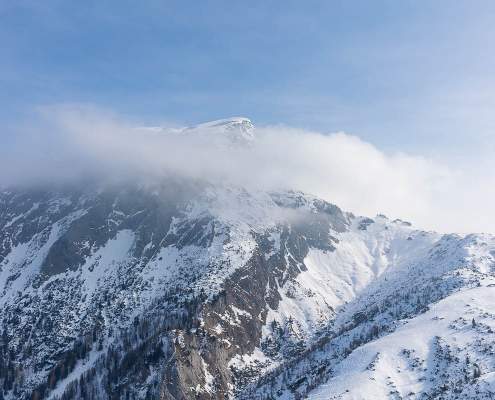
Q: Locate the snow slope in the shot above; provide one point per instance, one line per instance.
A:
(333, 278)
(432, 351)
(405, 302)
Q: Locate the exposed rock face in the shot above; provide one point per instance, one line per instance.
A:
(177, 278)
(184, 290)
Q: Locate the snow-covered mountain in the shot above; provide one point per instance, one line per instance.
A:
(235, 131)
(184, 289)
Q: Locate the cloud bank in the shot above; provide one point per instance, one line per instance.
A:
(67, 143)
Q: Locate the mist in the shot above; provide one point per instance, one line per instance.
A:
(68, 143)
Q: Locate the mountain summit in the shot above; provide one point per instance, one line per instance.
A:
(234, 131)
(236, 126)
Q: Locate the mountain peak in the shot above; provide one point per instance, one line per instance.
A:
(227, 131)
(232, 121)
(238, 130)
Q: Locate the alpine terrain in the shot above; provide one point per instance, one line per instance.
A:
(181, 288)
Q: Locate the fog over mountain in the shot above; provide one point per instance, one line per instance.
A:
(73, 142)
(227, 200)
(208, 262)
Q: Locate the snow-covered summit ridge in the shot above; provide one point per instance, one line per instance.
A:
(226, 122)
(227, 131)
(238, 130)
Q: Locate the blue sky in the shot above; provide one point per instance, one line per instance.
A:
(415, 79)
(414, 76)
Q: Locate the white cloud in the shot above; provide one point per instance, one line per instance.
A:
(71, 142)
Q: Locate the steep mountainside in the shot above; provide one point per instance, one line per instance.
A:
(187, 290)
(106, 280)
(423, 329)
